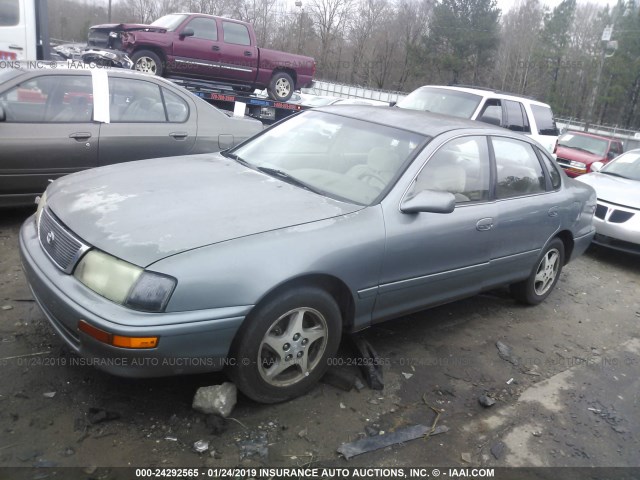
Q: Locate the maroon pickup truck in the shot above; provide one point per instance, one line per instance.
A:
(207, 47)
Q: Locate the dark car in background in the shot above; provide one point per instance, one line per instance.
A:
(577, 151)
(58, 121)
(258, 259)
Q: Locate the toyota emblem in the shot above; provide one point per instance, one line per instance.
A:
(51, 238)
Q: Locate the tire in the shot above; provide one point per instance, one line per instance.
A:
(282, 348)
(543, 277)
(147, 61)
(281, 87)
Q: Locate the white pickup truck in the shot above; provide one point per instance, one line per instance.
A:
(24, 32)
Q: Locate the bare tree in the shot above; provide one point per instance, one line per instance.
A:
(329, 17)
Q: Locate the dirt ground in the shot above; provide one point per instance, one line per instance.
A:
(568, 395)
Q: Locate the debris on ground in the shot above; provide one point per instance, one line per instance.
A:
(510, 381)
(7, 307)
(407, 375)
(99, 415)
(438, 430)
(497, 450)
(505, 352)
(216, 424)
(216, 399)
(370, 444)
(466, 457)
(358, 384)
(340, 378)
(201, 446)
(371, 431)
(486, 401)
(303, 433)
(49, 394)
(342, 405)
(171, 439)
(371, 364)
(257, 447)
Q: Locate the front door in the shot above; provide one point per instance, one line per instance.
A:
(198, 55)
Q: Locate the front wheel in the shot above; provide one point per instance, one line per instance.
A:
(281, 87)
(282, 349)
(146, 61)
(544, 276)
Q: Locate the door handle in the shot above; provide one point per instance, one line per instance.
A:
(215, 48)
(16, 47)
(80, 135)
(484, 224)
(179, 135)
(247, 53)
(553, 211)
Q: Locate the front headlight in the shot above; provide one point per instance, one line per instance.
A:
(124, 283)
(42, 202)
(578, 165)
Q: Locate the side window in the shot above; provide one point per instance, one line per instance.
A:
(177, 108)
(544, 120)
(460, 167)
(492, 112)
(519, 171)
(50, 99)
(236, 33)
(616, 148)
(204, 28)
(552, 168)
(9, 13)
(516, 117)
(133, 100)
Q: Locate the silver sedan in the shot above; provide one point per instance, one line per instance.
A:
(617, 218)
(257, 259)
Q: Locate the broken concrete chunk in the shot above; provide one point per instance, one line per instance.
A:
(370, 444)
(466, 457)
(217, 399)
(505, 352)
(486, 401)
(201, 446)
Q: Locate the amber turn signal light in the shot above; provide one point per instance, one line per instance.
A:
(117, 340)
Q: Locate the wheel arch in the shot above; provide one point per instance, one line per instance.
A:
(567, 240)
(158, 51)
(289, 71)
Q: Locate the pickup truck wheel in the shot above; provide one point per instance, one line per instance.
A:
(281, 87)
(283, 348)
(146, 61)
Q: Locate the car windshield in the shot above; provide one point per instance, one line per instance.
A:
(626, 165)
(340, 157)
(441, 100)
(170, 22)
(593, 145)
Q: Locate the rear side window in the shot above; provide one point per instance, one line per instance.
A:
(516, 117)
(544, 120)
(177, 108)
(236, 33)
(9, 13)
(519, 171)
(552, 168)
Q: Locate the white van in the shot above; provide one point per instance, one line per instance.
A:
(517, 113)
(24, 32)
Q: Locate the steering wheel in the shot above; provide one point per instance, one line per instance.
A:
(367, 174)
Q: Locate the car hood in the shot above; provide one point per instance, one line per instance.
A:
(144, 211)
(614, 189)
(578, 155)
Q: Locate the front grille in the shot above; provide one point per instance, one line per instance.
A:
(64, 248)
(601, 211)
(620, 216)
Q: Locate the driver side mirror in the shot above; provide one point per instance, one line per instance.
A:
(187, 32)
(596, 166)
(429, 201)
(3, 115)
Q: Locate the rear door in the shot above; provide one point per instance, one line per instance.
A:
(239, 58)
(48, 132)
(13, 30)
(147, 121)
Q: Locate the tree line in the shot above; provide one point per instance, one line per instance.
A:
(555, 55)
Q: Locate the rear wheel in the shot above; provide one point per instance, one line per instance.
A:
(147, 61)
(282, 349)
(281, 87)
(544, 276)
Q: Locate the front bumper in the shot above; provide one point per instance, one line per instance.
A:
(189, 342)
(617, 227)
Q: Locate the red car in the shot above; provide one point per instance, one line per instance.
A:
(576, 151)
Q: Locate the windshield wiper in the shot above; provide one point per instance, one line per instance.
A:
(613, 174)
(233, 156)
(284, 176)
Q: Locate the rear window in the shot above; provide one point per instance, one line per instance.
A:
(544, 120)
(9, 13)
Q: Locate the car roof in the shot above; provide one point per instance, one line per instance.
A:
(588, 134)
(425, 123)
(487, 91)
